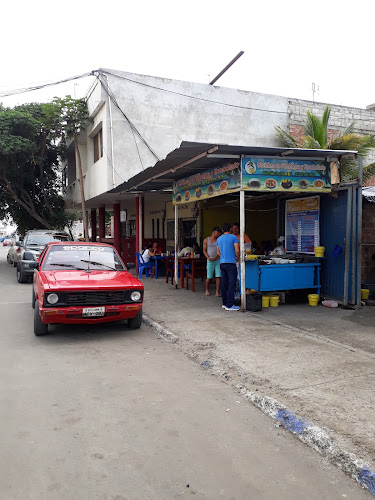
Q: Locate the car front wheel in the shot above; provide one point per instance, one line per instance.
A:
(40, 328)
(135, 322)
(33, 298)
(21, 278)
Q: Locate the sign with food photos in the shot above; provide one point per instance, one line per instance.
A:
(215, 182)
(261, 174)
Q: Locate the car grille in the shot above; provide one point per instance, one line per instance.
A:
(99, 298)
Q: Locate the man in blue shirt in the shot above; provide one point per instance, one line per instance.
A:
(229, 252)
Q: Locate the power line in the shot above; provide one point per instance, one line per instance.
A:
(196, 98)
(9, 93)
(131, 124)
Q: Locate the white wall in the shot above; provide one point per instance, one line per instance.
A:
(165, 115)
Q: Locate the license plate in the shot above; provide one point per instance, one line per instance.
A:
(89, 312)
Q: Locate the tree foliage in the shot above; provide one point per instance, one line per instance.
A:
(316, 136)
(30, 177)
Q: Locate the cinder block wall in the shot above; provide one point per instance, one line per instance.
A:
(341, 117)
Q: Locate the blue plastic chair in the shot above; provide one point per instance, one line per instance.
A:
(142, 265)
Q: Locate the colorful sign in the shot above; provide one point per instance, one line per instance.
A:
(302, 224)
(214, 182)
(285, 175)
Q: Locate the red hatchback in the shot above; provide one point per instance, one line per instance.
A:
(83, 283)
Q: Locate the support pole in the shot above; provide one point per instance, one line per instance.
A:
(117, 227)
(242, 249)
(101, 223)
(347, 244)
(93, 225)
(359, 231)
(175, 245)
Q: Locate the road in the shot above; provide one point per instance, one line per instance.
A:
(108, 413)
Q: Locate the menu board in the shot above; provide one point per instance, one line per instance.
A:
(280, 174)
(302, 224)
(215, 182)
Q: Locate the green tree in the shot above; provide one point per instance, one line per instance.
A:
(30, 180)
(316, 136)
(73, 118)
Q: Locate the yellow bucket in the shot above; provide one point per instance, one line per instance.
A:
(274, 300)
(365, 293)
(313, 299)
(265, 301)
(319, 251)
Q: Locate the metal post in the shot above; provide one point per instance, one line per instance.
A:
(242, 245)
(359, 231)
(175, 245)
(347, 245)
(354, 246)
(140, 224)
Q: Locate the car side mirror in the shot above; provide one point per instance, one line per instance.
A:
(28, 256)
(34, 265)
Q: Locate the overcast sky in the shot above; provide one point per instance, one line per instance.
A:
(288, 45)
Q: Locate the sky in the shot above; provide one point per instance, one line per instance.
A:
(288, 45)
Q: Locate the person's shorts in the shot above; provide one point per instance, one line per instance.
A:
(213, 267)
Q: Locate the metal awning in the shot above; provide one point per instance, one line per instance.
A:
(192, 157)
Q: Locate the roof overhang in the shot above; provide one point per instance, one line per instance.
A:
(193, 157)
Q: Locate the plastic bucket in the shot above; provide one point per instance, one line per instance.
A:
(274, 300)
(365, 293)
(265, 301)
(313, 299)
(319, 251)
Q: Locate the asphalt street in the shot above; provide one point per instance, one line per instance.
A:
(103, 412)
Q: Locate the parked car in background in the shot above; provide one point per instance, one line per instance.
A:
(83, 283)
(33, 243)
(7, 242)
(12, 255)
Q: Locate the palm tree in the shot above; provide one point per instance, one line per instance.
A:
(316, 136)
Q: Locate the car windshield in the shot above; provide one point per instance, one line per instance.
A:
(43, 239)
(82, 257)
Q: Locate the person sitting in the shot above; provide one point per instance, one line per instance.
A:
(236, 231)
(189, 250)
(148, 253)
(157, 248)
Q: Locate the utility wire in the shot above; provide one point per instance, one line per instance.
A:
(8, 93)
(197, 98)
(133, 127)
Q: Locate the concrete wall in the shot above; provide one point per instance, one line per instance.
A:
(167, 112)
(368, 242)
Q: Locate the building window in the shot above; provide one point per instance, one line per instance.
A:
(153, 228)
(98, 146)
(157, 228)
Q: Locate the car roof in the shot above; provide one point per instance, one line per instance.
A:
(46, 231)
(79, 243)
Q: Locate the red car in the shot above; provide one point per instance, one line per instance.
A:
(83, 283)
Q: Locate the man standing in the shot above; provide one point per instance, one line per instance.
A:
(236, 232)
(213, 260)
(229, 252)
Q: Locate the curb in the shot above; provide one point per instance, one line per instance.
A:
(312, 435)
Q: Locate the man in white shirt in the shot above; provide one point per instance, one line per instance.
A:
(148, 253)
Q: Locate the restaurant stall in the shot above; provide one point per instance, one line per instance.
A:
(294, 198)
(298, 183)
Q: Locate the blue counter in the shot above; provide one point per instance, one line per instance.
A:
(272, 277)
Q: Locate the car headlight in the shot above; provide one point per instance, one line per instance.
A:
(136, 296)
(52, 298)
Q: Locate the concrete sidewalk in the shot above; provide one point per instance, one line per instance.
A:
(314, 361)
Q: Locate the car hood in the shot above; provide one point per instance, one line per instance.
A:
(78, 280)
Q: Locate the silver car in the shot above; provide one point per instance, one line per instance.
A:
(31, 247)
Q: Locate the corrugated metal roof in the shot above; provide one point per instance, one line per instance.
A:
(192, 157)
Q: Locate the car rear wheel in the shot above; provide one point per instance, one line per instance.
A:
(40, 328)
(9, 260)
(135, 322)
(21, 278)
